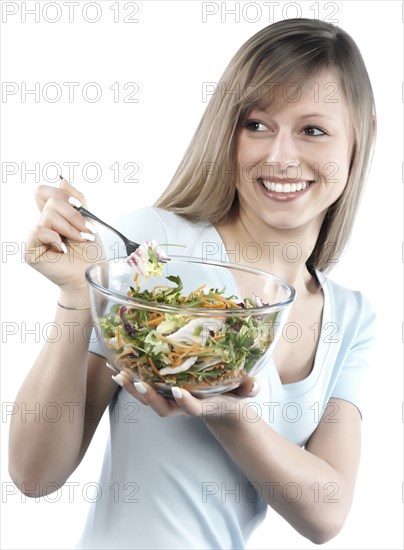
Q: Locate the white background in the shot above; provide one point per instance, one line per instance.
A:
(169, 53)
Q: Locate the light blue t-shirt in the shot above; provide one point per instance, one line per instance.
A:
(178, 488)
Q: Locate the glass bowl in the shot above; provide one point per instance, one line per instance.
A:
(200, 347)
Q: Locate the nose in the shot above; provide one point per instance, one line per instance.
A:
(282, 152)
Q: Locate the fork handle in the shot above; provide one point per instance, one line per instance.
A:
(88, 214)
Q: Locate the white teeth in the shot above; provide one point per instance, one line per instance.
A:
(284, 187)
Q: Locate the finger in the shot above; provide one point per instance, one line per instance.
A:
(65, 190)
(40, 240)
(45, 192)
(122, 380)
(147, 395)
(248, 387)
(72, 191)
(160, 404)
(192, 406)
(63, 218)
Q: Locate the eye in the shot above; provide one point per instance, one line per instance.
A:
(255, 126)
(314, 131)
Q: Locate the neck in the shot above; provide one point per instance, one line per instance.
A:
(283, 252)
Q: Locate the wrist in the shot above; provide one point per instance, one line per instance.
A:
(223, 418)
(74, 298)
(234, 416)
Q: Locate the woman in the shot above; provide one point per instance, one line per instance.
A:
(279, 160)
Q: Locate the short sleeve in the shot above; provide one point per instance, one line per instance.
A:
(353, 377)
(140, 225)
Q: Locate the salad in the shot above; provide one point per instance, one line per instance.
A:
(184, 349)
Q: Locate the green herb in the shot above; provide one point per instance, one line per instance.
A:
(192, 350)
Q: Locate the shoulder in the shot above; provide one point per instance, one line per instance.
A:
(165, 218)
(353, 320)
(171, 219)
(150, 215)
(350, 307)
(149, 222)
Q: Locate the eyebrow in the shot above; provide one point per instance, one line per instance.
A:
(301, 117)
(316, 114)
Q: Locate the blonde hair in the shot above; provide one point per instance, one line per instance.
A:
(204, 184)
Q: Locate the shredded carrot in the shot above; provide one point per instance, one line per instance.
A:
(206, 358)
(192, 348)
(227, 301)
(118, 337)
(155, 321)
(136, 279)
(153, 366)
(213, 305)
(172, 355)
(198, 290)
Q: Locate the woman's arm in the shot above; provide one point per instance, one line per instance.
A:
(311, 488)
(65, 379)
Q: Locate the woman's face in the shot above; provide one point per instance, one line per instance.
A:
(293, 163)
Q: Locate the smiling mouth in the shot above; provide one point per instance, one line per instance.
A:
(285, 188)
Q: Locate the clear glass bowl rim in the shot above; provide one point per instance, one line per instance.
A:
(155, 306)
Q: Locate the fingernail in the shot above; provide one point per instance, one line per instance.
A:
(110, 366)
(139, 387)
(63, 247)
(74, 202)
(176, 392)
(87, 236)
(91, 227)
(117, 380)
(254, 387)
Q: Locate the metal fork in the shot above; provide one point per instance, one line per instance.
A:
(130, 246)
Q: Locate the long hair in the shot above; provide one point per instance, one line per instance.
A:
(204, 184)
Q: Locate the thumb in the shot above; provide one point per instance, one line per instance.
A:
(249, 387)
